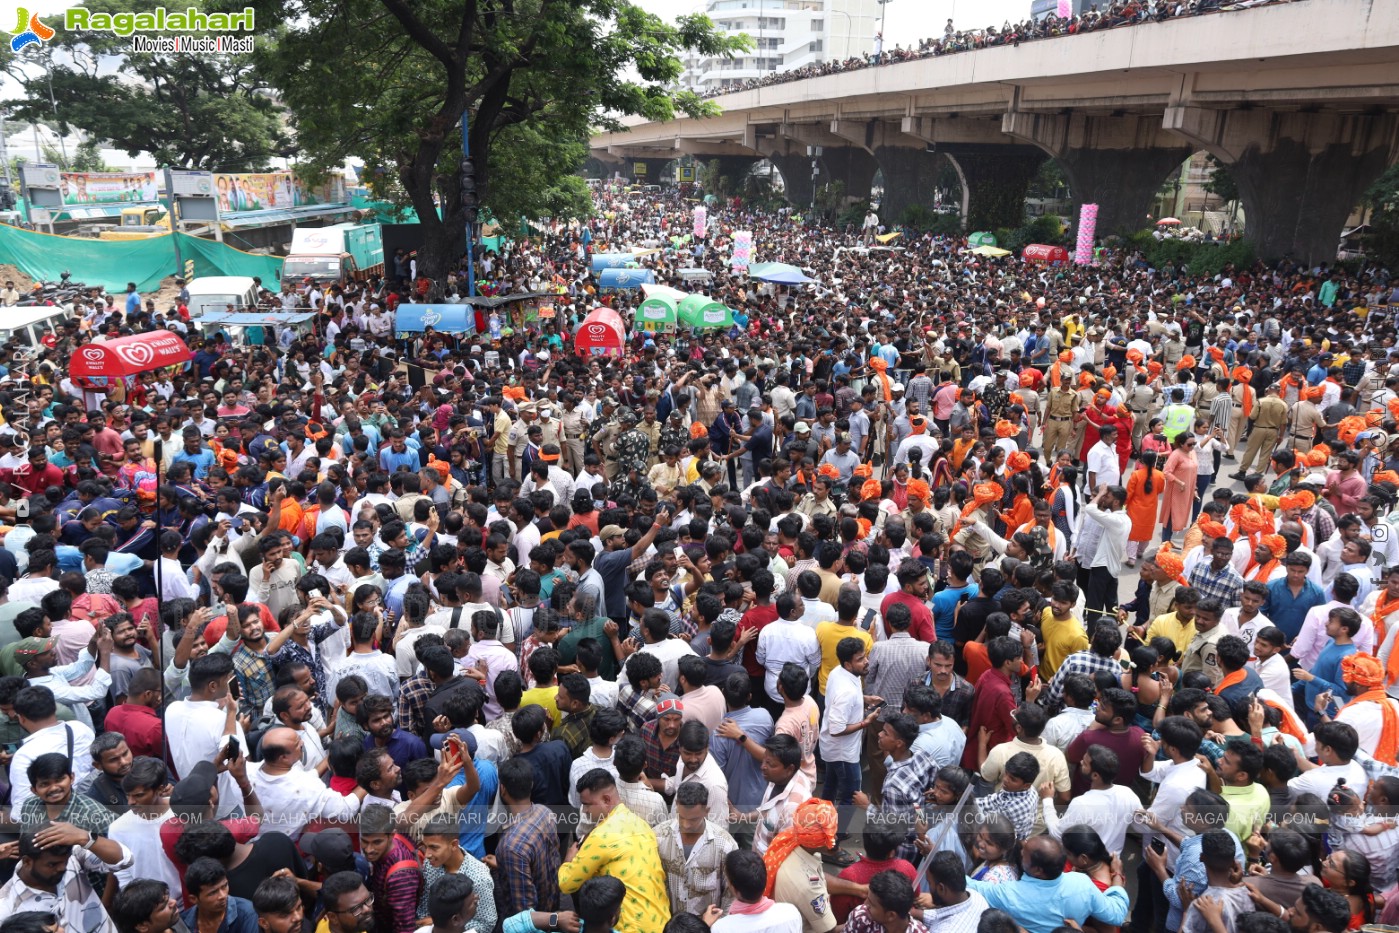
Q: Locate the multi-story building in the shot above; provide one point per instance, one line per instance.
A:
(787, 34)
(1039, 9)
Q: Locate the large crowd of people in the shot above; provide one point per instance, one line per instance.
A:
(943, 594)
(1114, 14)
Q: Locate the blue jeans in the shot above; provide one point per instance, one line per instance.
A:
(842, 781)
(1201, 484)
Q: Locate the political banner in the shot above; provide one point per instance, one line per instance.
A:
(108, 187)
(254, 192)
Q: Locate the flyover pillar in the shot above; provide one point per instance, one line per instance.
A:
(996, 179)
(796, 178)
(852, 166)
(1117, 163)
(910, 178)
(1299, 174)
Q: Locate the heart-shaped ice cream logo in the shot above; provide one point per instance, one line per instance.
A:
(431, 318)
(597, 330)
(136, 354)
(92, 354)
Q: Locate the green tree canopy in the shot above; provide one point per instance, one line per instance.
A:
(387, 81)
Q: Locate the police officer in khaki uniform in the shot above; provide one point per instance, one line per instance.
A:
(1142, 403)
(1269, 419)
(1058, 420)
(604, 440)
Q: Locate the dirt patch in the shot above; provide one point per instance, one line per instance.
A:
(164, 298)
(9, 273)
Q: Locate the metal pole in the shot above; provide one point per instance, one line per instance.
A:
(470, 227)
(5, 155)
(174, 228)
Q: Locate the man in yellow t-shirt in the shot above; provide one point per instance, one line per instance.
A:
(622, 846)
(1178, 626)
(829, 634)
(1063, 633)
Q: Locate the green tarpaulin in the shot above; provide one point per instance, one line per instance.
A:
(981, 238)
(703, 311)
(113, 263)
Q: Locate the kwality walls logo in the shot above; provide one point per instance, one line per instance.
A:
(188, 30)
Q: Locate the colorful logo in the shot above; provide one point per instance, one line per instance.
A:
(29, 30)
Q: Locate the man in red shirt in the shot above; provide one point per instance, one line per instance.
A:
(137, 718)
(36, 476)
(913, 593)
(762, 612)
(993, 703)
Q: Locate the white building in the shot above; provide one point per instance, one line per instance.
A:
(787, 34)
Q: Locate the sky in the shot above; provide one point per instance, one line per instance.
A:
(907, 21)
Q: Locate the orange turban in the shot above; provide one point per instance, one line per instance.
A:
(1171, 564)
(871, 489)
(1385, 476)
(1066, 356)
(918, 424)
(1313, 393)
(1373, 419)
(1255, 522)
(864, 471)
(1363, 670)
(986, 493)
(1030, 378)
(863, 524)
(813, 827)
(1316, 458)
(1393, 406)
(1212, 529)
(697, 429)
(1017, 399)
(1153, 368)
(1349, 428)
(918, 489)
(1104, 393)
(1017, 462)
(1215, 352)
(1275, 543)
(228, 459)
(1005, 429)
(1085, 380)
(1109, 372)
(444, 470)
(828, 470)
(1186, 362)
(1243, 374)
(1135, 356)
(1325, 450)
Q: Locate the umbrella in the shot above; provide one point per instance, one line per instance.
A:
(1167, 222)
(991, 252)
(778, 272)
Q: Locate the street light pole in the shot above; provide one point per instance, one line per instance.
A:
(883, 12)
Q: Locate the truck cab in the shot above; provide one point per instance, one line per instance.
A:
(139, 223)
(212, 294)
(337, 253)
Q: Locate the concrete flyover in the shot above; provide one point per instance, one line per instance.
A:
(1300, 99)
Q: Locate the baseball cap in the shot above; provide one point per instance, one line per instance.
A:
(610, 531)
(467, 738)
(803, 428)
(195, 789)
(31, 646)
(330, 847)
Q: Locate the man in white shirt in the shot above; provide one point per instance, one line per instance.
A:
(1107, 807)
(787, 638)
(655, 632)
(844, 722)
(1177, 776)
(1105, 566)
(1336, 745)
(293, 795)
(37, 713)
(139, 828)
(198, 728)
(1103, 466)
(37, 656)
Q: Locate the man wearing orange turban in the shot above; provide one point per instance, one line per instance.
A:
(1307, 419)
(871, 490)
(813, 831)
(1186, 363)
(1244, 399)
(918, 490)
(1373, 715)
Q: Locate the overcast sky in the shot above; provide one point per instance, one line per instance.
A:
(907, 20)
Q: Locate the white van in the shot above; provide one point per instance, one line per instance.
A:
(214, 293)
(27, 326)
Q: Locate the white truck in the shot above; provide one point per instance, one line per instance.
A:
(332, 254)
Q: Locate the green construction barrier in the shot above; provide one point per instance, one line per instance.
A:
(113, 263)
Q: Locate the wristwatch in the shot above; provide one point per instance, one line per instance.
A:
(554, 921)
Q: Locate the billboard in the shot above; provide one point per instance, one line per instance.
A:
(109, 187)
(267, 191)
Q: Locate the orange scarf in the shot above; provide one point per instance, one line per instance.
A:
(1383, 607)
(1055, 378)
(1264, 572)
(1290, 723)
(960, 449)
(1248, 398)
(1388, 747)
(879, 366)
(1237, 677)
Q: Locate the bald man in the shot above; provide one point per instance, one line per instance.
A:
(293, 795)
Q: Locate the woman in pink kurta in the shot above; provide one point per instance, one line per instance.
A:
(1180, 471)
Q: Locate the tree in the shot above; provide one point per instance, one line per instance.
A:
(1382, 198)
(403, 73)
(192, 111)
(1221, 182)
(86, 158)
